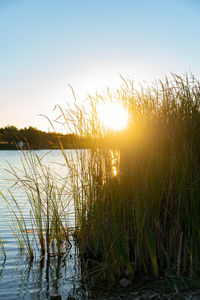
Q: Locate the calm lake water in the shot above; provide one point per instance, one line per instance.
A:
(19, 279)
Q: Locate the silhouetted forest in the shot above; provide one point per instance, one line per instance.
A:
(11, 136)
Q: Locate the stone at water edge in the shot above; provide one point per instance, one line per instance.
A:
(124, 282)
(55, 297)
(70, 298)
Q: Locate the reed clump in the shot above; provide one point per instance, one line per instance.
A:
(45, 231)
(144, 219)
(135, 193)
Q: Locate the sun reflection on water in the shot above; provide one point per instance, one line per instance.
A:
(115, 157)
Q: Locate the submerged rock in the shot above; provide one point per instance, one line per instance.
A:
(71, 298)
(55, 297)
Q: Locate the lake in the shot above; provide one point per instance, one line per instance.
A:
(18, 278)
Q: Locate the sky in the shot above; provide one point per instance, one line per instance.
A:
(47, 44)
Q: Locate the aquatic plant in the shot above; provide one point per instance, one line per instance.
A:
(135, 192)
(145, 220)
(3, 248)
(47, 228)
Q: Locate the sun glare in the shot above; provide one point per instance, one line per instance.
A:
(113, 116)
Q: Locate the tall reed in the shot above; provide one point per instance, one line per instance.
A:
(47, 227)
(142, 219)
(3, 248)
(145, 220)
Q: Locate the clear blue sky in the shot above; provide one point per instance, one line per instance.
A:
(45, 44)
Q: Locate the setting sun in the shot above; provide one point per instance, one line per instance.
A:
(113, 116)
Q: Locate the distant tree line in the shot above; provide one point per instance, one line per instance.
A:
(37, 139)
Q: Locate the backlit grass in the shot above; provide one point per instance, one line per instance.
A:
(136, 192)
(47, 227)
(144, 219)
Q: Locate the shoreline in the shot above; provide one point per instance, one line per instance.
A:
(13, 147)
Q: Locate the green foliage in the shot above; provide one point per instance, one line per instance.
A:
(10, 134)
(37, 139)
